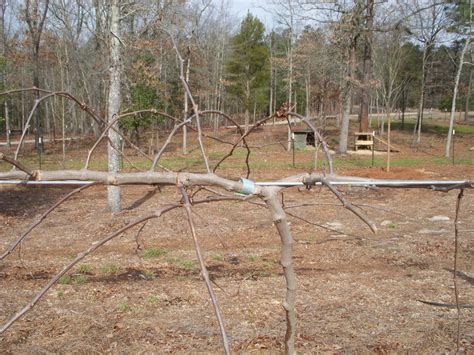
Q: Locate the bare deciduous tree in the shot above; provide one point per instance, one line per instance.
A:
(114, 102)
(35, 15)
(366, 65)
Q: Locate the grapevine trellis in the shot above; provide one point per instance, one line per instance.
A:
(189, 184)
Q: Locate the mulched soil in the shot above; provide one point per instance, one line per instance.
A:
(143, 292)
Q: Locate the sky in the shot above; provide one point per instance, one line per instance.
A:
(255, 7)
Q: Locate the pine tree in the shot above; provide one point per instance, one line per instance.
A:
(247, 66)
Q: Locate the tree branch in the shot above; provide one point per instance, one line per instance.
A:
(204, 272)
(282, 225)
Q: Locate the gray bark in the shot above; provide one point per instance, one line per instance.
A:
(35, 19)
(468, 95)
(421, 103)
(3, 73)
(247, 103)
(286, 258)
(7, 123)
(346, 108)
(455, 94)
(366, 68)
(114, 102)
(270, 100)
(307, 93)
(290, 78)
(186, 112)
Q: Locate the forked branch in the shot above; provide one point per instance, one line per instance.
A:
(345, 203)
(204, 272)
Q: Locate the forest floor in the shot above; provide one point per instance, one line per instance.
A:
(142, 292)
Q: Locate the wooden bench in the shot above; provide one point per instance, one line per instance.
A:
(363, 139)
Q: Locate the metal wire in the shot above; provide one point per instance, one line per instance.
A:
(355, 183)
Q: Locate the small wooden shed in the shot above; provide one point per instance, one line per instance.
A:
(303, 138)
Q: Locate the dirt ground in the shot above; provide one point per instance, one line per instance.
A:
(142, 292)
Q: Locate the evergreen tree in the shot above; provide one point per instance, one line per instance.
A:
(247, 66)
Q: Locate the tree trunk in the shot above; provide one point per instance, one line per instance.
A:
(270, 105)
(247, 103)
(3, 73)
(275, 94)
(468, 94)
(366, 68)
(98, 54)
(344, 134)
(307, 95)
(389, 131)
(421, 104)
(38, 126)
(22, 101)
(114, 102)
(254, 111)
(347, 99)
(48, 121)
(404, 104)
(186, 109)
(455, 94)
(290, 82)
(286, 260)
(7, 123)
(35, 21)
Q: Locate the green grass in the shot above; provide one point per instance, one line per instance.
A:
(217, 258)
(152, 253)
(123, 307)
(431, 126)
(149, 275)
(304, 161)
(186, 263)
(84, 269)
(260, 159)
(357, 162)
(72, 280)
(152, 299)
(111, 269)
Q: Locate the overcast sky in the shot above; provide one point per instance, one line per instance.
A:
(255, 7)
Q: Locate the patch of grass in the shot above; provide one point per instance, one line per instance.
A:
(111, 269)
(432, 126)
(72, 280)
(264, 274)
(392, 226)
(123, 307)
(65, 280)
(84, 269)
(175, 163)
(186, 263)
(60, 295)
(149, 275)
(361, 162)
(152, 253)
(217, 258)
(252, 258)
(152, 299)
